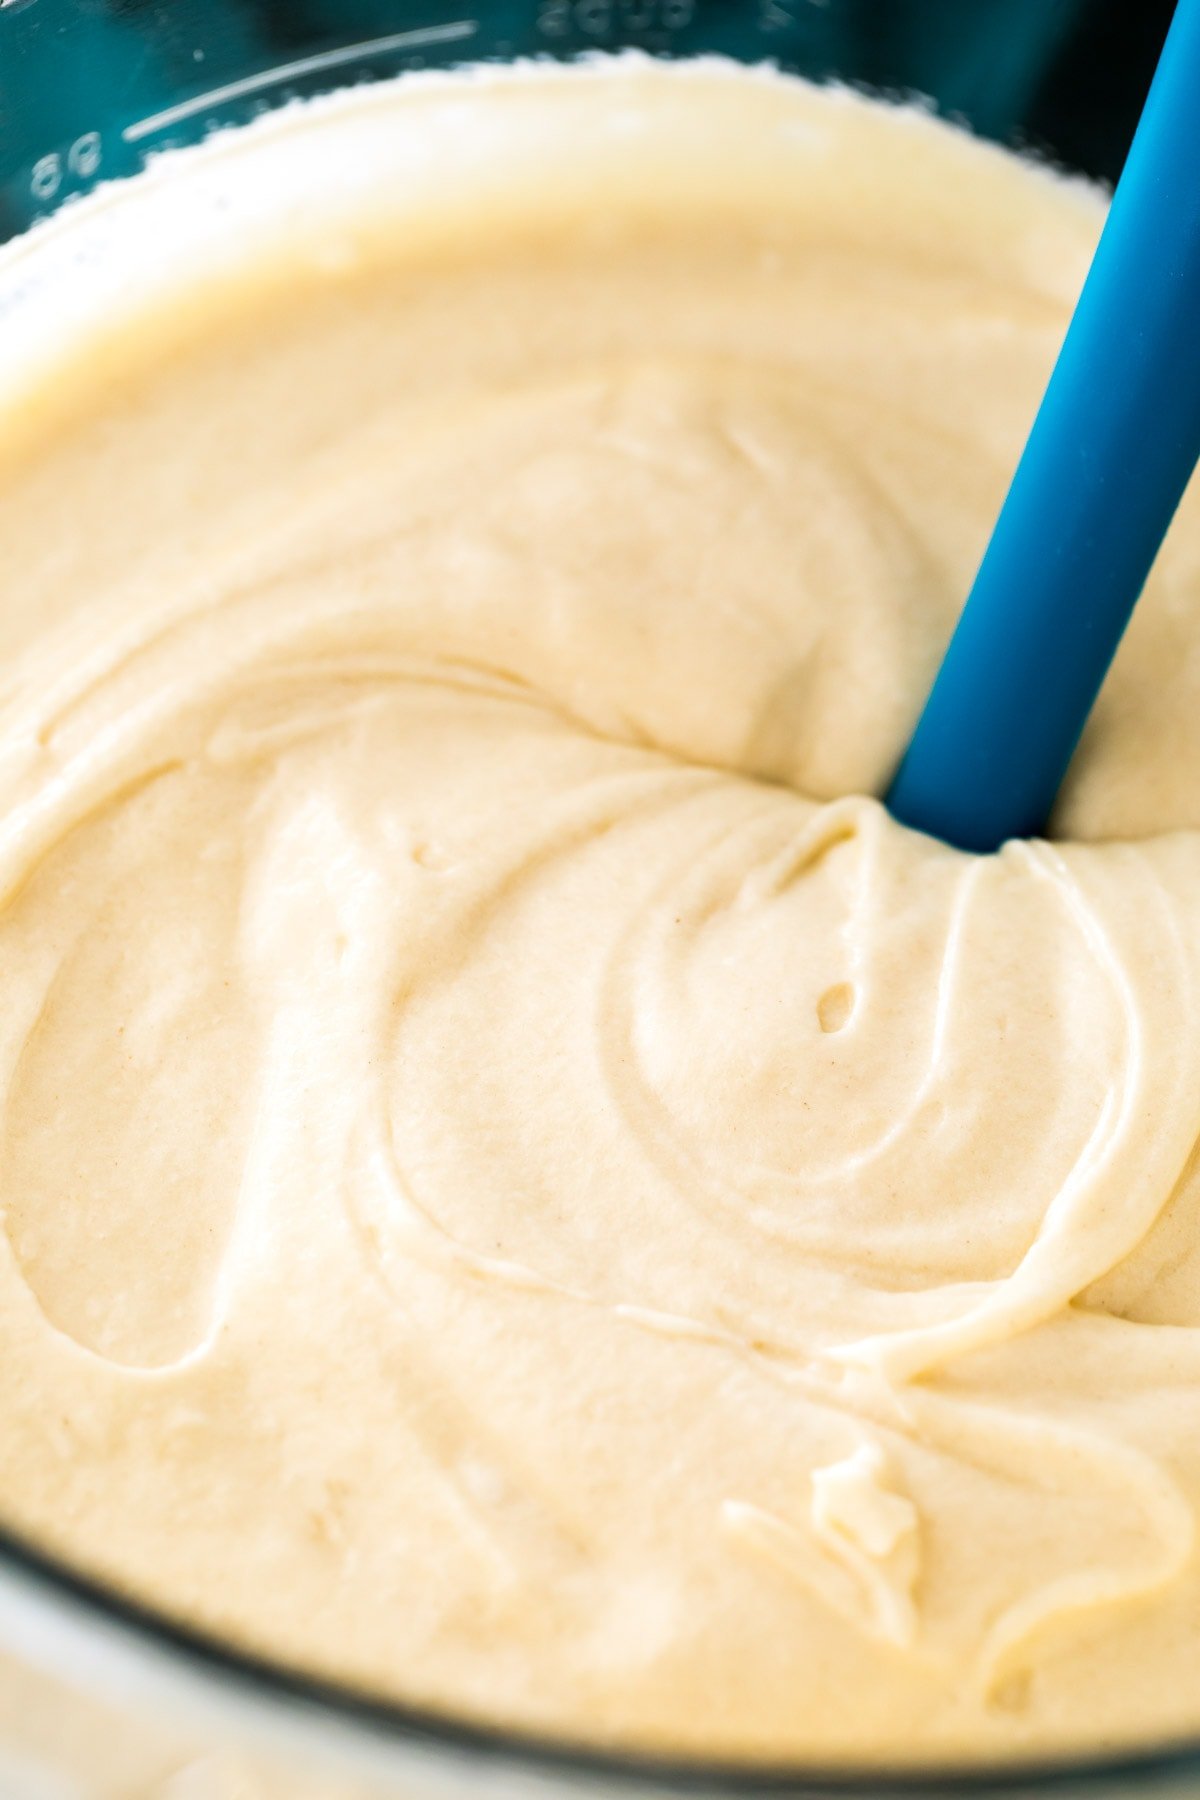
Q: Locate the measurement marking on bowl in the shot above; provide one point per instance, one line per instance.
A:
(451, 33)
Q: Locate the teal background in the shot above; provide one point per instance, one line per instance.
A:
(76, 75)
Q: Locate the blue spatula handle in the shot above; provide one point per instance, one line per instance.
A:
(1110, 453)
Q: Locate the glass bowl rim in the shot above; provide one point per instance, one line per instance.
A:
(281, 1693)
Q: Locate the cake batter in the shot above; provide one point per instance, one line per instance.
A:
(523, 1189)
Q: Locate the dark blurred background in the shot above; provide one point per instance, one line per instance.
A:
(90, 88)
(1087, 103)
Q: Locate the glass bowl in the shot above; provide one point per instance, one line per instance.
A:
(108, 1700)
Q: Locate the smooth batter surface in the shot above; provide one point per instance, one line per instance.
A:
(522, 1188)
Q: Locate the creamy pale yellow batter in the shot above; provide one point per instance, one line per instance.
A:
(522, 1188)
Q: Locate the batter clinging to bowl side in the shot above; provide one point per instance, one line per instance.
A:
(523, 1189)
